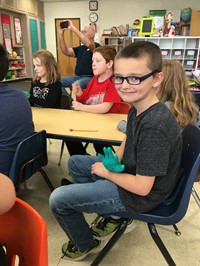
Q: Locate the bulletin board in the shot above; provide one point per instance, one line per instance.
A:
(33, 34)
(7, 39)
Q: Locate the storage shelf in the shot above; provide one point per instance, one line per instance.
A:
(15, 59)
(17, 68)
(182, 48)
(22, 78)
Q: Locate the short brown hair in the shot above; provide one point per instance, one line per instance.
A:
(107, 51)
(145, 49)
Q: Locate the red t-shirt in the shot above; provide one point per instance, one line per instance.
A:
(101, 92)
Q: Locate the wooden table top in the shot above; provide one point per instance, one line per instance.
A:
(93, 127)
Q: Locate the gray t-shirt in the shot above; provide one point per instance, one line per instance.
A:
(153, 148)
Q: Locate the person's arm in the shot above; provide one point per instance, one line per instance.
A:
(84, 40)
(76, 90)
(7, 194)
(101, 108)
(138, 184)
(31, 95)
(120, 150)
(68, 51)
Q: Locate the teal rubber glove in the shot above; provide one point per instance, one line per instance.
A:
(26, 94)
(111, 161)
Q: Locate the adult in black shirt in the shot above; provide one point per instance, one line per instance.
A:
(83, 53)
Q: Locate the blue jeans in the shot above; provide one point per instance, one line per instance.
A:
(89, 194)
(69, 80)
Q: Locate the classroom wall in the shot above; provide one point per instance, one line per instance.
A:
(111, 13)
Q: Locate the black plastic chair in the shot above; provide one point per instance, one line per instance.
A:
(174, 208)
(30, 156)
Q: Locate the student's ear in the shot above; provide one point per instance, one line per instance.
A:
(158, 79)
(110, 64)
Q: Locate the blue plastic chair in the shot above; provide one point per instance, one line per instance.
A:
(174, 208)
(29, 158)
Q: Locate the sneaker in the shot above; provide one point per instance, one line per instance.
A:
(71, 252)
(65, 182)
(106, 227)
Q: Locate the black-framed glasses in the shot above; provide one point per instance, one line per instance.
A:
(132, 80)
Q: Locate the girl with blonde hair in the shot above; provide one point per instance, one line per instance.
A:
(46, 86)
(174, 92)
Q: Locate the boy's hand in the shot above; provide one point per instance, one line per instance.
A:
(111, 161)
(77, 106)
(76, 89)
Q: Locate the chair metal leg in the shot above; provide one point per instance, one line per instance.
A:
(160, 245)
(177, 232)
(46, 179)
(119, 232)
(61, 153)
(195, 196)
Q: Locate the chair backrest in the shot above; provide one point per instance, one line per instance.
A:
(30, 156)
(190, 163)
(24, 233)
(65, 102)
(124, 108)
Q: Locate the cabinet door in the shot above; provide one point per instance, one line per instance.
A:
(40, 10)
(34, 34)
(22, 5)
(32, 7)
(42, 35)
(66, 63)
(194, 24)
(9, 4)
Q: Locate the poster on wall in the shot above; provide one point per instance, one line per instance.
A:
(18, 31)
(7, 41)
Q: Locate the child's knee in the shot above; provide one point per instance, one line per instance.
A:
(73, 162)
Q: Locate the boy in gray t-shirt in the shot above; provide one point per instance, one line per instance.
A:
(141, 174)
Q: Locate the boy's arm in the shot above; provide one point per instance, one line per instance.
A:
(138, 184)
(76, 90)
(120, 150)
(101, 108)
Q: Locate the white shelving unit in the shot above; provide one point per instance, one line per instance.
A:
(184, 49)
(17, 66)
(117, 42)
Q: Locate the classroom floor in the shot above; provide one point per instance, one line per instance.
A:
(134, 248)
